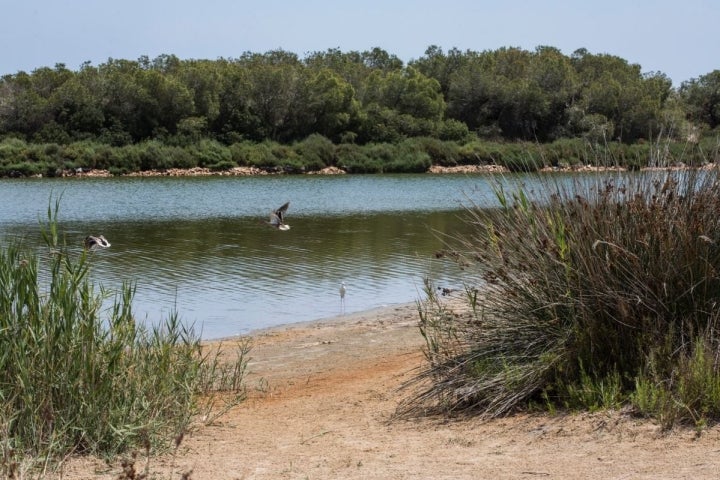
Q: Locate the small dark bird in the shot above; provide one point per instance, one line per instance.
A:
(95, 242)
(446, 291)
(277, 218)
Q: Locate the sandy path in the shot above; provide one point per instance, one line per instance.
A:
(322, 397)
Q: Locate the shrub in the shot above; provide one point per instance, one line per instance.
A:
(177, 157)
(519, 157)
(23, 169)
(353, 159)
(565, 152)
(286, 156)
(80, 154)
(453, 130)
(439, 152)
(316, 152)
(209, 152)
(371, 158)
(121, 159)
(76, 376)
(253, 154)
(596, 291)
(152, 155)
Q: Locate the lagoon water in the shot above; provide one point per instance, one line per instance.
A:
(200, 245)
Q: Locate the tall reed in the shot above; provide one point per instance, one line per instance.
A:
(79, 376)
(589, 294)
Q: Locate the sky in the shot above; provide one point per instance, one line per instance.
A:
(678, 38)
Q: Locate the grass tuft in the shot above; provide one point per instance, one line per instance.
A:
(79, 377)
(595, 292)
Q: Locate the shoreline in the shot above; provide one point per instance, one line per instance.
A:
(332, 170)
(255, 171)
(339, 320)
(488, 169)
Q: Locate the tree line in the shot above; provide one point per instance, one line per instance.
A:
(361, 98)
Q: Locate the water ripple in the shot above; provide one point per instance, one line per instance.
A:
(194, 247)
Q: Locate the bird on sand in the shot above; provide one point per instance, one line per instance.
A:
(93, 242)
(277, 218)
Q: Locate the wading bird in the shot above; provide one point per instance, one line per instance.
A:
(342, 296)
(277, 218)
(93, 243)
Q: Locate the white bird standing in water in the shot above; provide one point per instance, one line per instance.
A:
(342, 296)
(277, 218)
(93, 242)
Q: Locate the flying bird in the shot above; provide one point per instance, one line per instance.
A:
(93, 242)
(277, 218)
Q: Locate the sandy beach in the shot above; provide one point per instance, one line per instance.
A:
(322, 398)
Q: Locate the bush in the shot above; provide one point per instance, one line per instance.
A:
(591, 293)
(565, 152)
(353, 159)
(209, 152)
(78, 377)
(316, 152)
(453, 130)
(439, 152)
(253, 154)
(519, 157)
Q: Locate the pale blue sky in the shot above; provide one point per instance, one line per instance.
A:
(678, 38)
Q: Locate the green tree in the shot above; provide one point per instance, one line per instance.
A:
(125, 102)
(612, 87)
(236, 120)
(440, 66)
(552, 74)
(76, 106)
(22, 110)
(331, 107)
(474, 94)
(701, 99)
(272, 93)
(379, 59)
(400, 104)
(203, 79)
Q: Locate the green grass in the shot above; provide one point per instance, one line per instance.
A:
(80, 377)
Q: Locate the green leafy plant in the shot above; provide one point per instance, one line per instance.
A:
(595, 292)
(79, 376)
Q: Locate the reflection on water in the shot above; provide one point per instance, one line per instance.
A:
(161, 198)
(230, 276)
(201, 245)
(202, 248)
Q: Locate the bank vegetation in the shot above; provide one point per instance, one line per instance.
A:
(363, 112)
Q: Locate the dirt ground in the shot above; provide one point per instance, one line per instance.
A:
(321, 403)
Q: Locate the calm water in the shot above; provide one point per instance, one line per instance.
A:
(200, 245)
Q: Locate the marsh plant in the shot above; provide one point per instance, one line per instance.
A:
(78, 374)
(600, 292)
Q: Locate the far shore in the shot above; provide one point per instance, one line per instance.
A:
(435, 169)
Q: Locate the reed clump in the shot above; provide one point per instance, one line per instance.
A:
(78, 374)
(600, 292)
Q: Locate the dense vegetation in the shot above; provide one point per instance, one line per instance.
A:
(263, 108)
(598, 294)
(79, 375)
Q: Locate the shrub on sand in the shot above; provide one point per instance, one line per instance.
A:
(591, 293)
(79, 376)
